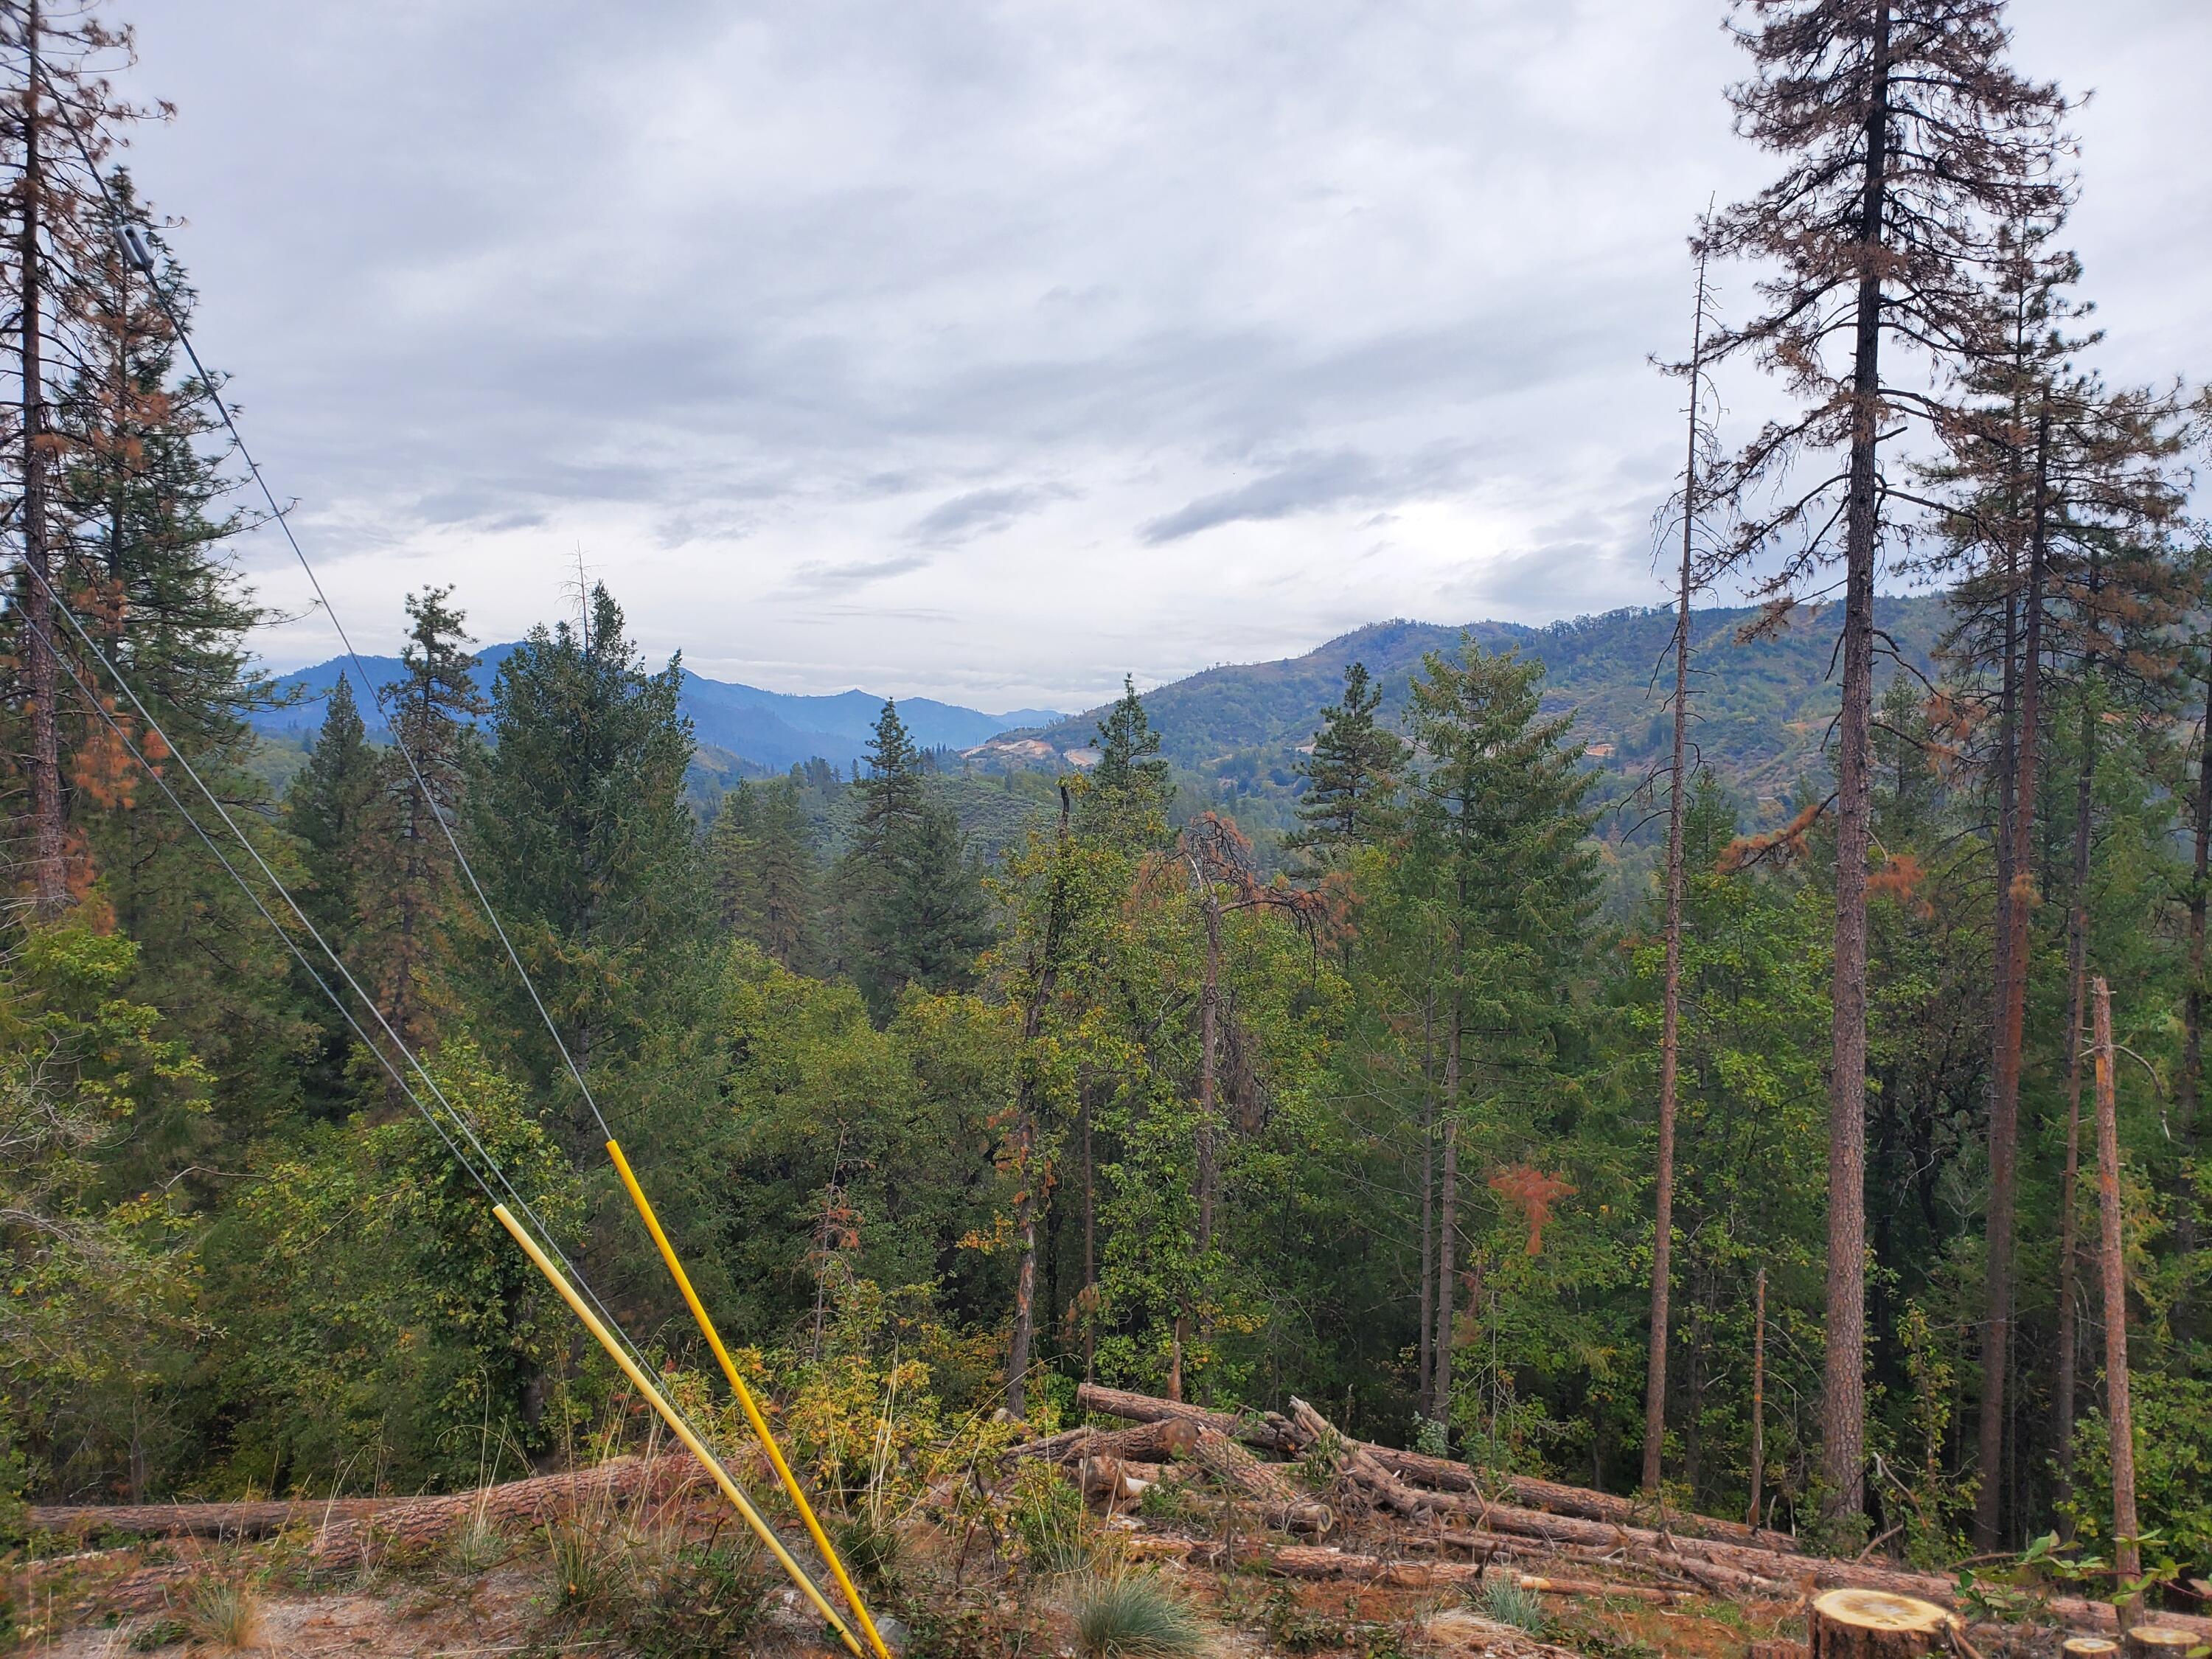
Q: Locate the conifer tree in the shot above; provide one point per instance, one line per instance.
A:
(913, 904)
(582, 800)
(1908, 142)
(761, 861)
(1129, 791)
(408, 882)
(328, 807)
(1354, 774)
(1498, 829)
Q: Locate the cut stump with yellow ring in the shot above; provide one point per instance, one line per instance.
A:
(1862, 1623)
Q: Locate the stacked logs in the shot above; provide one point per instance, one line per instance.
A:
(1453, 1506)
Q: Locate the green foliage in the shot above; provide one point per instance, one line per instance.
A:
(387, 1325)
(1353, 776)
(2173, 1466)
(1504, 1600)
(1055, 1532)
(588, 849)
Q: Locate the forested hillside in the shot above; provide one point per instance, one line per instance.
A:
(1768, 698)
(1758, 1074)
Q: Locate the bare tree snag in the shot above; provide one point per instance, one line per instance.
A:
(1670, 1023)
(2127, 1554)
(1856, 1623)
(1758, 1396)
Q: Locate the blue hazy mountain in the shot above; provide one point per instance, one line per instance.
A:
(770, 729)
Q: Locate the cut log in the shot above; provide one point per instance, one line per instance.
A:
(1543, 1586)
(1859, 1624)
(2159, 1641)
(1280, 1502)
(424, 1522)
(1267, 1430)
(202, 1520)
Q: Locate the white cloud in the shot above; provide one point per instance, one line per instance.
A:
(986, 352)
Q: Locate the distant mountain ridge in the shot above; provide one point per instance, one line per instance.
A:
(1761, 706)
(772, 730)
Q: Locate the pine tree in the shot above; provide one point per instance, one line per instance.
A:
(760, 857)
(1129, 791)
(1497, 851)
(913, 904)
(328, 807)
(410, 890)
(1353, 774)
(1908, 144)
(589, 849)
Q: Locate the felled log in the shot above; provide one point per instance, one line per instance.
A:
(1292, 1436)
(1280, 1502)
(1541, 1585)
(201, 1520)
(1109, 1481)
(424, 1522)
(1857, 1624)
(1267, 1430)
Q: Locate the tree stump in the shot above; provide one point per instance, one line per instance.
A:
(1859, 1624)
(2088, 1647)
(2155, 1641)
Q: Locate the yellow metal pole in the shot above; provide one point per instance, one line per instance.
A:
(677, 1427)
(744, 1396)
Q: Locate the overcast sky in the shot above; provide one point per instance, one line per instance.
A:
(989, 350)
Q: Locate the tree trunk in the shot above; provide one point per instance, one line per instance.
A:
(1670, 1023)
(2189, 1085)
(1758, 1396)
(1843, 1395)
(2078, 971)
(2127, 1554)
(2004, 1101)
(1024, 1129)
(1447, 1221)
(1427, 1389)
(1090, 1248)
(49, 884)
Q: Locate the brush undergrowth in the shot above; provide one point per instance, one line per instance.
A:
(224, 1613)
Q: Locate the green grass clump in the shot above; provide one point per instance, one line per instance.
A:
(593, 1572)
(1509, 1604)
(1131, 1615)
(165, 1632)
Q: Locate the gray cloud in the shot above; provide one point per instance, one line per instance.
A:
(980, 512)
(1307, 485)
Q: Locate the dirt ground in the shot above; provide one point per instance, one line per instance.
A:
(108, 1604)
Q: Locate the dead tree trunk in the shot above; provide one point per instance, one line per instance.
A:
(2127, 1554)
(49, 887)
(1670, 1026)
(2077, 974)
(1758, 1396)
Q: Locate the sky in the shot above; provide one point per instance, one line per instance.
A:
(990, 352)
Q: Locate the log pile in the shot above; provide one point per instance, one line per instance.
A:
(1457, 1506)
